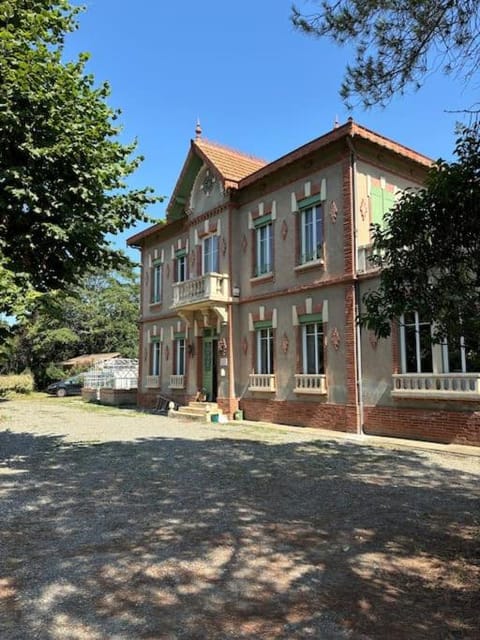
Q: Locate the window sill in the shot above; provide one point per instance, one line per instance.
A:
(312, 264)
(155, 304)
(265, 277)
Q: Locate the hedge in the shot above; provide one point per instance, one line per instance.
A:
(22, 383)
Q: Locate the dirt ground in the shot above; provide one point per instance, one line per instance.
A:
(122, 525)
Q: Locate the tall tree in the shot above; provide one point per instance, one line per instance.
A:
(62, 168)
(397, 43)
(429, 251)
(98, 315)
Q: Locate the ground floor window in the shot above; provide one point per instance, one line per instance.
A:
(312, 348)
(420, 355)
(264, 345)
(416, 344)
(179, 359)
(155, 358)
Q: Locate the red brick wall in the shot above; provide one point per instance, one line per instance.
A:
(460, 427)
(298, 413)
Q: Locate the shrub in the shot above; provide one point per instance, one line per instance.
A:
(22, 383)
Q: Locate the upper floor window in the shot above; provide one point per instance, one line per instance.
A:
(156, 283)
(264, 249)
(312, 348)
(210, 255)
(311, 234)
(180, 267)
(264, 346)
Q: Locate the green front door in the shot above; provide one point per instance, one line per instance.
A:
(209, 376)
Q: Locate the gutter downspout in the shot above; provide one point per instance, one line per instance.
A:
(357, 299)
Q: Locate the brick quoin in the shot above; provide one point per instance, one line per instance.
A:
(301, 414)
(456, 427)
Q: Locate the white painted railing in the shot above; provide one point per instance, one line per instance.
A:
(212, 287)
(310, 383)
(153, 382)
(437, 385)
(262, 382)
(177, 381)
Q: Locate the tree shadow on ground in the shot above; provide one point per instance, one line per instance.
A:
(177, 538)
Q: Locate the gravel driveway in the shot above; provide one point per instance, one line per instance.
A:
(122, 525)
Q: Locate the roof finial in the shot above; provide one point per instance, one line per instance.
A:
(198, 130)
(336, 123)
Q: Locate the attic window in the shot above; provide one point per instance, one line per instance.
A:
(208, 182)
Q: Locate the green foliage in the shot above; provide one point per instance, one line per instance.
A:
(397, 43)
(63, 170)
(429, 251)
(22, 383)
(98, 315)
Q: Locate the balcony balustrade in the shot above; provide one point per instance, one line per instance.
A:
(153, 382)
(310, 383)
(363, 259)
(197, 292)
(446, 386)
(177, 381)
(262, 382)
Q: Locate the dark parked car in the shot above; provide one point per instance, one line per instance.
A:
(68, 387)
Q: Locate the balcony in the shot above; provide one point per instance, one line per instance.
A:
(177, 381)
(310, 383)
(363, 259)
(440, 386)
(262, 382)
(209, 289)
(153, 382)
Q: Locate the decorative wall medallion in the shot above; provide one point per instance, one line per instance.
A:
(222, 347)
(335, 338)
(224, 246)
(207, 184)
(363, 208)
(285, 343)
(167, 270)
(284, 229)
(373, 339)
(244, 243)
(167, 352)
(245, 345)
(333, 211)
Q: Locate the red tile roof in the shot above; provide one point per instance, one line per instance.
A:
(232, 165)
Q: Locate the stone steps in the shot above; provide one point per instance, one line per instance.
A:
(201, 411)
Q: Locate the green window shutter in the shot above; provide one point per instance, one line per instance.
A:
(376, 199)
(388, 201)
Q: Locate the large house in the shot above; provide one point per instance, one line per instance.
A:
(252, 285)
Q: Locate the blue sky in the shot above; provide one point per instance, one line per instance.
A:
(256, 84)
